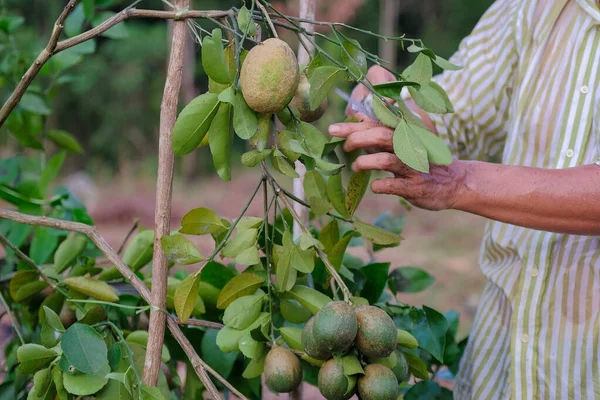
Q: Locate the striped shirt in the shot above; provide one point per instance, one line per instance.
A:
(529, 94)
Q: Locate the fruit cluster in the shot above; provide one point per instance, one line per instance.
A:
(358, 346)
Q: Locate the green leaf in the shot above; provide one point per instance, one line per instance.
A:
(431, 333)
(289, 146)
(185, 297)
(245, 122)
(220, 140)
(43, 386)
(416, 366)
(240, 242)
(52, 328)
(114, 390)
(180, 250)
(249, 347)
(294, 312)
(228, 339)
(255, 157)
(43, 244)
(34, 104)
(193, 122)
(260, 140)
(242, 312)
(141, 338)
(352, 365)
(409, 148)
(213, 58)
(316, 193)
(431, 99)
(337, 196)
(285, 273)
(410, 280)
(118, 31)
(249, 256)
(89, 8)
(29, 289)
(354, 58)
(227, 95)
(445, 64)
(21, 278)
(376, 278)
(51, 171)
(428, 390)
(74, 22)
(86, 384)
(357, 187)
(440, 90)
(384, 114)
(114, 355)
(139, 250)
(68, 251)
(313, 139)
(85, 349)
(393, 90)
(246, 223)
(255, 367)
(94, 288)
(151, 393)
(321, 81)
(201, 221)
(245, 22)
(240, 285)
(221, 362)
(328, 168)
(311, 299)
(376, 234)
(330, 235)
(34, 357)
(292, 337)
(420, 71)
(405, 339)
(307, 241)
(281, 164)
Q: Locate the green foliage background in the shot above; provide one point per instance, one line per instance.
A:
(112, 107)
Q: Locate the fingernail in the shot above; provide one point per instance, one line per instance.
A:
(333, 129)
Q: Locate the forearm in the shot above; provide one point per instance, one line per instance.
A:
(563, 200)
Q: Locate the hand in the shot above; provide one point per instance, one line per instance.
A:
(375, 75)
(366, 134)
(438, 190)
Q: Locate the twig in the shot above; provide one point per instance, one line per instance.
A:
(53, 47)
(13, 320)
(164, 194)
(92, 232)
(133, 228)
(267, 17)
(201, 323)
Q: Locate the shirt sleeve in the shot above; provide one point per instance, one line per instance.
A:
(480, 92)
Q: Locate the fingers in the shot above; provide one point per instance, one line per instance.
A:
(343, 129)
(394, 186)
(381, 162)
(380, 138)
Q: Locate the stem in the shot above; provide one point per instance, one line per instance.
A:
(13, 320)
(136, 282)
(231, 228)
(268, 250)
(290, 206)
(118, 332)
(267, 17)
(305, 204)
(164, 194)
(201, 323)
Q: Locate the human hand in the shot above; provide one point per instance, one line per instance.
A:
(366, 134)
(437, 190)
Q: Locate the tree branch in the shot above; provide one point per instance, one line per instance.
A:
(164, 195)
(136, 282)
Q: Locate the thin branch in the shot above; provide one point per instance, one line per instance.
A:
(267, 17)
(201, 323)
(13, 320)
(136, 282)
(133, 228)
(164, 195)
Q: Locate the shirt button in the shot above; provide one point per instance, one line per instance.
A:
(535, 272)
(585, 89)
(570, 153)
(525, 338)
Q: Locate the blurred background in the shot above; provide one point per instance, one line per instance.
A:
(111, 105)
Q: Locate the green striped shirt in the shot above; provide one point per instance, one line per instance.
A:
(529, 94)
